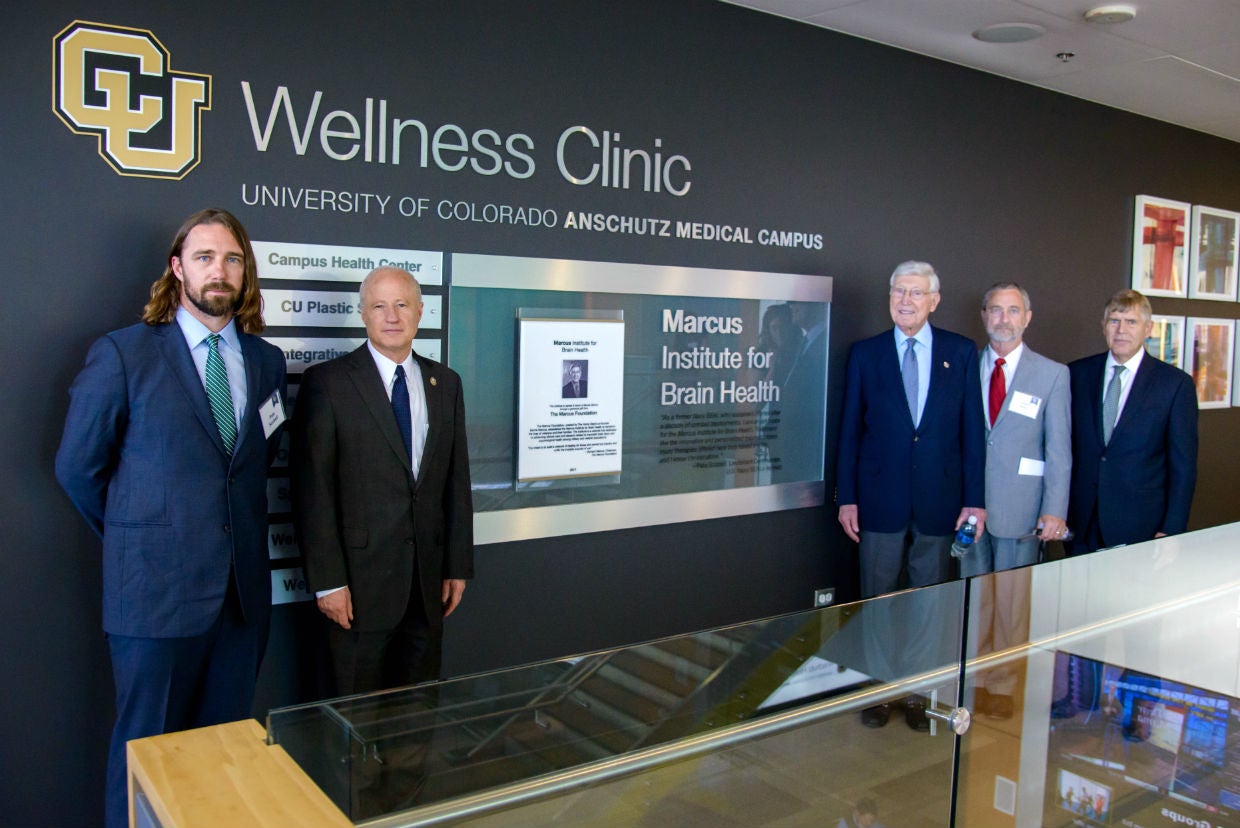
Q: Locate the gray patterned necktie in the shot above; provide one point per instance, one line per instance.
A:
(909, 369)
(219, 395)
(1110, 404)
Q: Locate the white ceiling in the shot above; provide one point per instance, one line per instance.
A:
(1177, 61)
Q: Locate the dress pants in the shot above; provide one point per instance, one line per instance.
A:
(410, 653)
(169, 684)
(1002, 602)
(906, 634)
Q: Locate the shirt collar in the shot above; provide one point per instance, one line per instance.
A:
(924, 337)
(1132, 364)
(195, 332)
(1009, 361)
(387, 368)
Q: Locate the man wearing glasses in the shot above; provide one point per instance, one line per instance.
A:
(912, 453)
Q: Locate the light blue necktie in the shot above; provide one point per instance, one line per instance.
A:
(219, 395)
(909, 369)
(1110, 404)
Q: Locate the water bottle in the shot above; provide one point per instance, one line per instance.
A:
(965, 535)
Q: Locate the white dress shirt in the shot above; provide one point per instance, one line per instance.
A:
(417, 397)
(1126, 378)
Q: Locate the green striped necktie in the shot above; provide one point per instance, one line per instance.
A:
(219, 395)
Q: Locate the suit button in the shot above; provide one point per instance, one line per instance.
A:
(227, 528)
(915, 438)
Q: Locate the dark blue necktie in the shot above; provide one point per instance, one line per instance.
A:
(400, 406)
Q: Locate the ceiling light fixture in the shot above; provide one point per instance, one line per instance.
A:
(1113, 13)
(1009, 32)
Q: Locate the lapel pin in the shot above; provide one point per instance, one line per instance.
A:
(434, 381)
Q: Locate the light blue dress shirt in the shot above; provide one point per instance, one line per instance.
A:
(230, 351)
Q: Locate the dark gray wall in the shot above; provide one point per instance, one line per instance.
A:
(888, 155)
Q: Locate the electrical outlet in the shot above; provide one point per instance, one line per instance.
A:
(824, 597)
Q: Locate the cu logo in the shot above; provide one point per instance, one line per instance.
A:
(114, 83)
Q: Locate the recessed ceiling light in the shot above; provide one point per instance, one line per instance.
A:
(1114, 13)
(1009, 32)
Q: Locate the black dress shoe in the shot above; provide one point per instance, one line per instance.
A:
(915, 714)
(876, 716)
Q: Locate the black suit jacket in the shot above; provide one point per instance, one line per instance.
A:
(361, 522)
(1142, 481)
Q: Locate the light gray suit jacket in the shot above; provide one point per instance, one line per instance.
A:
(1014, 500)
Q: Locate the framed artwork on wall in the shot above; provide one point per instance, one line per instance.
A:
(1213, 249)
(1166, 340)
(1209, 355)
(1160, 235)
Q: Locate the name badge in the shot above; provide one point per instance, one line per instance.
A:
(1031, 467)
(271, 413)
(1026, 405)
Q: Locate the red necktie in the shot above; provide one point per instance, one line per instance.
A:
(998, 390)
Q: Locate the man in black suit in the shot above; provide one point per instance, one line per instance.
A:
(380, 483)
(1134, 436)
(576, 387)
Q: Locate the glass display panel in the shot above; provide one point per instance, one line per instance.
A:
(661, 707)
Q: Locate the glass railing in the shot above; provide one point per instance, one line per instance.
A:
(755, 724)
(1106, 689)
(1103, 690)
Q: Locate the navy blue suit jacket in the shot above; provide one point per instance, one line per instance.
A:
(1142, 481)
(142, 460)
(895, 474)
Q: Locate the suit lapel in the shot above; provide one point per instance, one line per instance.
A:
(432, 385)
(1132, 405)
(1093, 399)
(365, 377)
(176, 353)
(250, 355)
(1018, 377)
(939, 366)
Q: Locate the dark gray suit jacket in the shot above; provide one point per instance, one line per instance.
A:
(361, 522)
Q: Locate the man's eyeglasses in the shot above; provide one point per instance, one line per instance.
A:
(916, 294)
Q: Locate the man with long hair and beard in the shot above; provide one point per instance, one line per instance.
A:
(172, 424)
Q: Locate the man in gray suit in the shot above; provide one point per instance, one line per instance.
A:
(1028, 404)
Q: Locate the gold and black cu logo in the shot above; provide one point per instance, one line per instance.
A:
(114, 82)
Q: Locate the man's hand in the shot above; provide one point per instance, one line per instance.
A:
(964, 517)
(453, 589)
(338, 606)
(850, 522)
(1052, 528)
